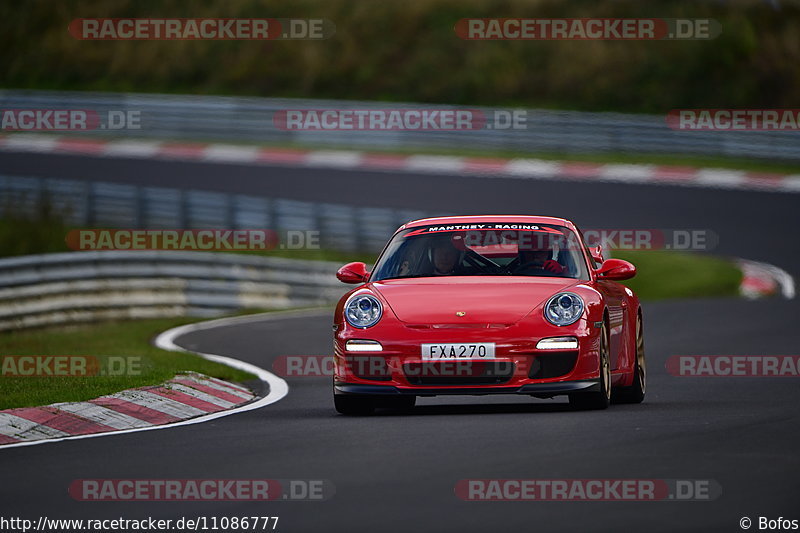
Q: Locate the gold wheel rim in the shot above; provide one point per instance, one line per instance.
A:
(641, 369)
(605, 366)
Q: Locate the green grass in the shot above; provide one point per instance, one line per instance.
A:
(668, 274)
(41, 232)
(129, 338)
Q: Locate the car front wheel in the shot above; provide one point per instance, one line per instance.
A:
(600, 399)
(635, 393)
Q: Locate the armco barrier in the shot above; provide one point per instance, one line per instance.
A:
(96, 204)
(219, 118)
(38, 290)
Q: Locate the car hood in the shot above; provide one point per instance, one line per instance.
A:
(485, 300)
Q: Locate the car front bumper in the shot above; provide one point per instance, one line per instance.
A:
(544, 390)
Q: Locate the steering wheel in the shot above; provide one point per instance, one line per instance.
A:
(483, 263)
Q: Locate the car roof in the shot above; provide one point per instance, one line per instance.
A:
(477, 219)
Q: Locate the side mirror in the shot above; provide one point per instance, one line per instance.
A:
(353, 273)
(616, 269)
(597, 253)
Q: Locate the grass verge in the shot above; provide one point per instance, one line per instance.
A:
(130, 339)
(668, 274)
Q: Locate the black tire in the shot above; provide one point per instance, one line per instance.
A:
(353, 405)
(635, 393)
(597, 400)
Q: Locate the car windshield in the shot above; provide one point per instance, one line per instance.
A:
(488, 249)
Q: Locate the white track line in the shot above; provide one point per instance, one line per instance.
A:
(278, 388)
(333, 159)
(434, 163)
(231, 153)
(781, 277)
(131, 148)
(784, 280)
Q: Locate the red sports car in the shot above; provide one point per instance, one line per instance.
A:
(488, 305)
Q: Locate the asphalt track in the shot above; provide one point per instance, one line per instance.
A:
(754, 225)
(397, 473)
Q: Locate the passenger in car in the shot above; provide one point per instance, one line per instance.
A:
(535, 261)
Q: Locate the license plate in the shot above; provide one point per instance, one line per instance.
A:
(473, 350)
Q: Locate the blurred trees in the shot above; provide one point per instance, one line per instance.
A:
(407, 51)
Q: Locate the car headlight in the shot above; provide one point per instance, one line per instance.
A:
(363, 311)
(563, 309)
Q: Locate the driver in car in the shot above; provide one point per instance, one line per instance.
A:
(445, 258)
(536, 260)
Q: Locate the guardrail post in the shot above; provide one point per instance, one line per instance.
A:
(183, 209)
(230, 211)
(90, 205)
(138, 215)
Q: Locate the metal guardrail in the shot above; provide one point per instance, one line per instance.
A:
(251, 120)
(38, 290)
(94, 204)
